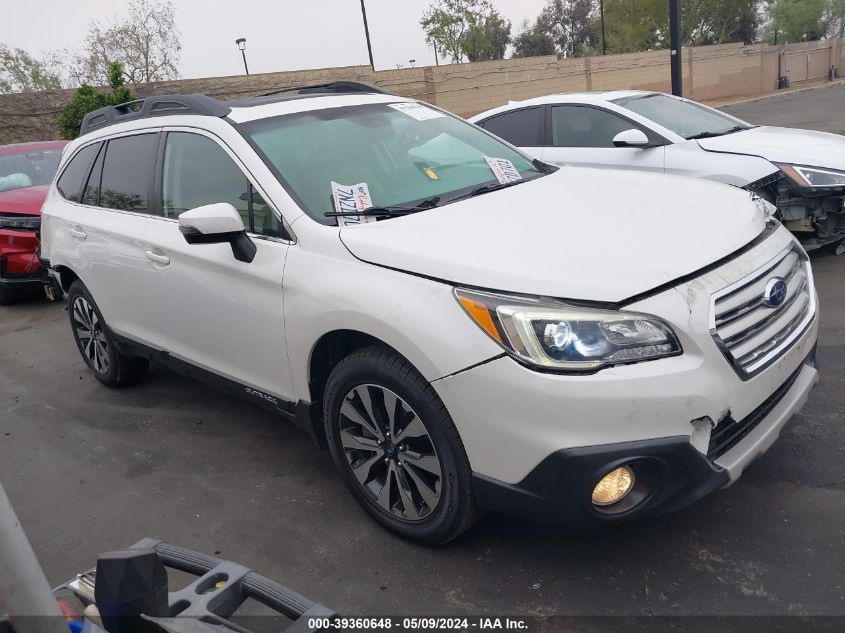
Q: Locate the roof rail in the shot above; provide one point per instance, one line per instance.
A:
(163, 105)
(332, 87)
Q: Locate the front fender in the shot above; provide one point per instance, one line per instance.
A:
(418, 317)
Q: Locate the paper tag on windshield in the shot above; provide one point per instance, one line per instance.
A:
(503, 169)
(417, 111)
(352, 199)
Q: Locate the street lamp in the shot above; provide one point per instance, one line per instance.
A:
(603, 38)
(367, 33)
(675, 44)
(241, 42)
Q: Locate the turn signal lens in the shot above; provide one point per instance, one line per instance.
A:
(480, 313)
(614, 487)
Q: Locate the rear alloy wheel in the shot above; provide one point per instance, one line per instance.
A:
(396, 447)
(90, 335)
(95, 343)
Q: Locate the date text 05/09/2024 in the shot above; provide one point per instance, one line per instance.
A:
(427, 623)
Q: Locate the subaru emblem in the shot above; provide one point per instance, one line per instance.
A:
(775, 293)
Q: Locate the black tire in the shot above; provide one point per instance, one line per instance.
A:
(384, 375)
(8, 296)
(110, 366)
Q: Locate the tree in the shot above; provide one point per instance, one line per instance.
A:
(636, 25)
(466, 28)
(20, 72)
(639, 25)
(720, 21)
(570, 23)
(487, 36)
(798, 20)
(86, 100)
(533, 42)
(145, 42)
(836, 18)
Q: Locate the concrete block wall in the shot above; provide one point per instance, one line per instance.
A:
(709, 73)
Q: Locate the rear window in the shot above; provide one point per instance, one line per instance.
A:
(70, 182)
(128, 172)
(522, 128)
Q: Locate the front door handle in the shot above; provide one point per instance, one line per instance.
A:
(78, 234)
(164, 260)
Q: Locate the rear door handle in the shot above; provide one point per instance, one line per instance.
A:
(164, 260)
(78, 234)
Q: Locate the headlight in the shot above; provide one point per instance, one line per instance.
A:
(568, 338)
(20, 222)
(814, 177)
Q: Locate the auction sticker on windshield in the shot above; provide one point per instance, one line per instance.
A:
(417, 110)
(503, 169)
(352, 199)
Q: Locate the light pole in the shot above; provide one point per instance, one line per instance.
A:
(241, 42)
(367, 33)
(675, 46)
(603, 38)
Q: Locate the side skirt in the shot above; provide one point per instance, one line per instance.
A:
(304, 415)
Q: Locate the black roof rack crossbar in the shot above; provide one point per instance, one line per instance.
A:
(162, 105)
(332, 87)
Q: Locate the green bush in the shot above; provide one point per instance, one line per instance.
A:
(86, 100)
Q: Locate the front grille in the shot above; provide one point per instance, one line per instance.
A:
(750, 332)
(729, 432)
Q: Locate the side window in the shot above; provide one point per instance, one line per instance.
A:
(523, 128)
(70, 182)
(197, 171)
(128, 170)
(91, 194)
(578, 126)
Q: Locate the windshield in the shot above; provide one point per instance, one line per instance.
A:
(685, 118)
(404, 152)
(28, 169)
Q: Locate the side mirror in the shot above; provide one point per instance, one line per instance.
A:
(216, 224)
(631, 138)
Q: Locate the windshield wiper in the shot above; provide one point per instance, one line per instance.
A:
(493, 186)
(386, 211)
(736, 128)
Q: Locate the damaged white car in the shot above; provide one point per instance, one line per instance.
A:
(801, 172)
(463, 327)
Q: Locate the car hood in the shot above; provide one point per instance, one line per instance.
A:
(783, 145)
(26, 201)
(595, 235)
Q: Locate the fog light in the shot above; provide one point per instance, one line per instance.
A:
(614, 487)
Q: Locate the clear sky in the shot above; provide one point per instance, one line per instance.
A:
(281, 34)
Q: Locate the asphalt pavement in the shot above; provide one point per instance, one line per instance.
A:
(90, 469)
(820, 108)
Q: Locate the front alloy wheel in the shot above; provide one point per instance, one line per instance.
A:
(390, 452)
(397, 448)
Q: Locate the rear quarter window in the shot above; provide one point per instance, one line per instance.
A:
(70, 182)
(522, 128)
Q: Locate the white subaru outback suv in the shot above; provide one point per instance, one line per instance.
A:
(464, 328)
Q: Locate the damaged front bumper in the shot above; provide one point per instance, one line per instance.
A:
(539, 442)
(815, 216)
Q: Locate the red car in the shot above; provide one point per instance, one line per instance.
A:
(26, 171)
